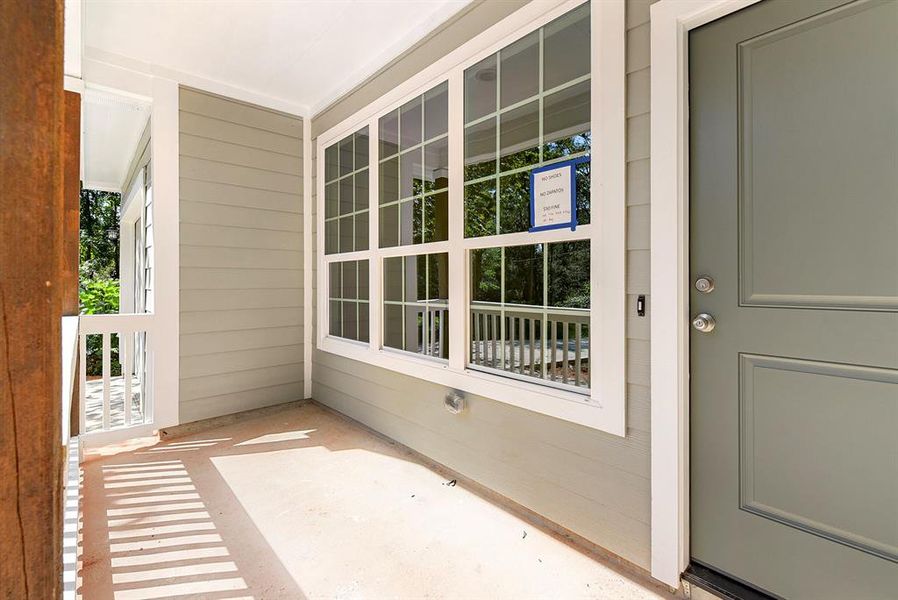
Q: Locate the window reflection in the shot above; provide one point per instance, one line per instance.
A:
(416, 304)
(414, 171)
(348, 300)
(519, 137)
(515, 122)
(346, 196)
(529, 312)
(519, 70)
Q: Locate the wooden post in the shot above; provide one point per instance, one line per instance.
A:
(71, 228)
(31, 215)
(71, 203)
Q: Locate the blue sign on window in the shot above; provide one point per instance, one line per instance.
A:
(553, 195)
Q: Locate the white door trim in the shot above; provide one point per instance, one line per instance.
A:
(671, 21)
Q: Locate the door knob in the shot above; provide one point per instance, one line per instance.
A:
(703, 322)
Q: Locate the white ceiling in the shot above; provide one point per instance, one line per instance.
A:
(110, 130)
(305, 52)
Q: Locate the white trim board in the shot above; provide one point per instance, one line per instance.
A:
(127, 74)
(605, 407)
(73, 38)
(671, 21)
(307, 255)
(164, 144)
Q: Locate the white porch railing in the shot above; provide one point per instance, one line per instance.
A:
(432, 331)
(69, 353)
(117, 403)
(551, 344)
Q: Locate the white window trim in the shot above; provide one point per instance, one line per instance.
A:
(605, 407)
(131, 214)
(671, 21)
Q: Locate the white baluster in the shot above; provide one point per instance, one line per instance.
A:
(107, 381)
(82, 384)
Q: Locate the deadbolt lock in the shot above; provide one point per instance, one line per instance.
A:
(703, 322)
(704, 284)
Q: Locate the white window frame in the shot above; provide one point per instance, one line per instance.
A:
(130, 264)
(605, 406)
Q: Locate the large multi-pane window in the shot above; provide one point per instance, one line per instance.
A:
(413, 205)
(447, 200)
(346, 194)
(413, 187)
(528, 106)
(416, 304)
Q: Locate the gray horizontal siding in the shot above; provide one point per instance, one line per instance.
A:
(232, 111)
(242, 236)
(226, 131)
(234, 402)
(216, 363)
(216, 192)
(211, 300)
(594, 484)
(241, 256)
(194, 344)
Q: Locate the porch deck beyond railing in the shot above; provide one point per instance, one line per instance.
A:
(550, 344)
(95, 407)
(118, 403)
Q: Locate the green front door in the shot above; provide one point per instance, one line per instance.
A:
(794, 228)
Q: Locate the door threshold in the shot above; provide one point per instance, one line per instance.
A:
(722, 585)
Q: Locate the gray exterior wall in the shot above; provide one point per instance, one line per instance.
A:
(241, 342)
(592, 483)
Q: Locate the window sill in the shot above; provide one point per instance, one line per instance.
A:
(561, 404)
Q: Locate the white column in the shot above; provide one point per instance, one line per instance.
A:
(163, 341)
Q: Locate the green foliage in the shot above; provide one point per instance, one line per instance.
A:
(99, 235)
(568, 262)
(98, 270)
(569, 274)
(99, 296)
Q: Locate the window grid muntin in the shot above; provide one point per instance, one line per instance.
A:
(502, 306)
(426, 303)
(420, 147)
(341, 299)
(354, 214)
(496, 115)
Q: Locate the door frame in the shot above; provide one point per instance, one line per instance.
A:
(671, 21)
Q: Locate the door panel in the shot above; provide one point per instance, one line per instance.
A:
(794, 214)
(811, 93)
(796, 470)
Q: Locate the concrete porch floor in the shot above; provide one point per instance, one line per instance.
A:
(304, 503)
